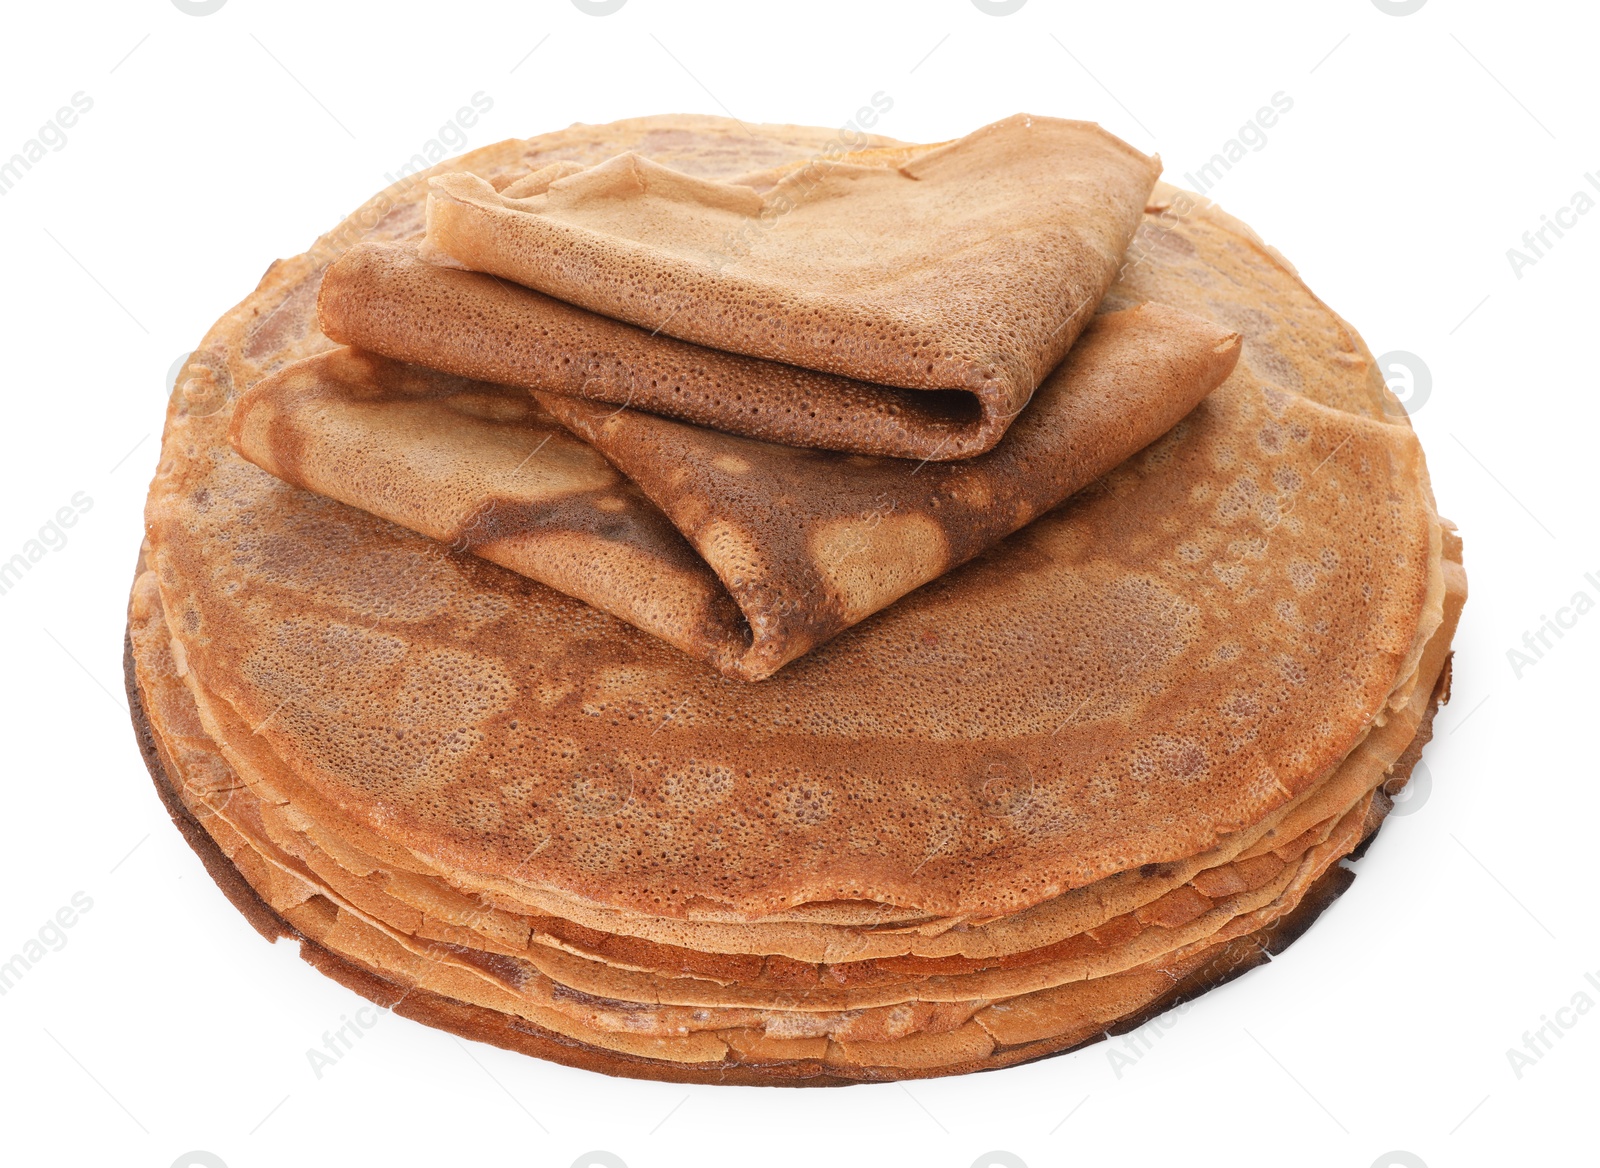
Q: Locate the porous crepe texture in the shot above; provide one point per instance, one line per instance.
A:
(916, 1039)
(793, 545)
(327, 570)
(483, 468)
(968, 267)
(904, 762)
(400, 890)
(1356, 444)
(386, 299)
(1009, 1022)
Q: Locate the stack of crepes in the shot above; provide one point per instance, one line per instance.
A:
(680, 601)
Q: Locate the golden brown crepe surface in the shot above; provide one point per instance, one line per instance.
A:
(386, 299)
(970, 266)
(1133, 614)
(1135, 668)
(909, 1040)
(805, 543)
(484, 469)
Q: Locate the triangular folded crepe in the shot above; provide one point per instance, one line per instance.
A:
(970, 267)
(785, 547)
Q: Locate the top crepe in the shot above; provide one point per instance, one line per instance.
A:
(969, 267)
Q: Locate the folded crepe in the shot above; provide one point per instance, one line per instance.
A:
(968, 268)
(744, 553)
(386, 299)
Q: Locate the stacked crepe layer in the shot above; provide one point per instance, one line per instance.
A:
(1105, 764)
(716, 394)
(742, 552)
(806, 1003)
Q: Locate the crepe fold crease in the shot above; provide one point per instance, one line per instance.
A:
(386, 299)
(968, 268)
(744, 553)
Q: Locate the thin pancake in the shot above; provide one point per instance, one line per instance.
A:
(385, 298)
(970, 267)
(1069, 752)
(804, 543)
(483, 468)
(1177, 919)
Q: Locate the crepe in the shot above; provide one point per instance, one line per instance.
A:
(1252, 674)
(789, 546)
(1112, 761)
(384, 298)
(968, 268)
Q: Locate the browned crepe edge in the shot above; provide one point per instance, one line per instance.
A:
(1433, 656)
(482, 1024)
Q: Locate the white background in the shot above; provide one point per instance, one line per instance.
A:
(1419, 149)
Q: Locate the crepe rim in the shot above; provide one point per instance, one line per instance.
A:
(487, 1025)
(1257, 902)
